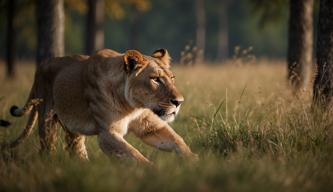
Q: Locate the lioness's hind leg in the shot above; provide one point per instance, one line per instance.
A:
(76, 145)
(47, 131)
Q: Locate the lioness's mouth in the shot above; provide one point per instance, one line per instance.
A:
(162, 112)
(163, 115)
(159, 112)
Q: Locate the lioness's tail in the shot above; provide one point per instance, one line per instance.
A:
(30, 106)
(26, 131)
(18, 112)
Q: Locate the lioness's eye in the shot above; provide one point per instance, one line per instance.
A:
(156, 79)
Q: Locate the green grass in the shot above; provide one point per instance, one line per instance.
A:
(250, 132)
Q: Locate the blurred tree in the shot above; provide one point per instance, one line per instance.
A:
(79, 6)
(50, 29)
(300, 42)
(117, 9)
(136, 8)
(120, 9)
(223, 36)
(75, 26)
(323, 85)
(11, 39)
(50, 43)
(300, 35)
(133, 10)
(269, 11)
(200, 31)
(94, 26)
(156, 28)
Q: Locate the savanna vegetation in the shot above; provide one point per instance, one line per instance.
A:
(256, 76)
(250, 134)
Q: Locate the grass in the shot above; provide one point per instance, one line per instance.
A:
(250, 132)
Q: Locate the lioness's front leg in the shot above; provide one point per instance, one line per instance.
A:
(112, 142)
(157, 133)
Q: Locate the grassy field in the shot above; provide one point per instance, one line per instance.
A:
(250, 132)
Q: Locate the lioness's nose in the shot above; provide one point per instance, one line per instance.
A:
(177, 102)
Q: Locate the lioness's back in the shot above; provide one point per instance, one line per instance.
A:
(72, 83)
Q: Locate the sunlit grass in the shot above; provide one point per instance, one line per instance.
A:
(250, 132)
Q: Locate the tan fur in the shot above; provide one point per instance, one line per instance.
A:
(108, 95)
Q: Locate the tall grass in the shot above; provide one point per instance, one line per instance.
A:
(250, 132)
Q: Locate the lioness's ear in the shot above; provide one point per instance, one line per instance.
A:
(163, 55)
(132, 60)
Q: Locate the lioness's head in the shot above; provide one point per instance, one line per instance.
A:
(151, 84)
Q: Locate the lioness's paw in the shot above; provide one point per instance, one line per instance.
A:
(194, 157)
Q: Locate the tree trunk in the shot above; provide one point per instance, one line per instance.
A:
(50, 29)
(223, 36)
(50, 43)
(201, 29)
(95, 21)
(300, 42)
(323, 85)
(11, 39)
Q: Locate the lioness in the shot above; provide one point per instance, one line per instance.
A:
(108, 94)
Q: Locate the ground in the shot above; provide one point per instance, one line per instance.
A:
(250, 131)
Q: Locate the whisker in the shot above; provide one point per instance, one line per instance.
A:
(164, 104)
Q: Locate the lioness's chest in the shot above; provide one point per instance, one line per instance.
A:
(87, 126)
(121, 126)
